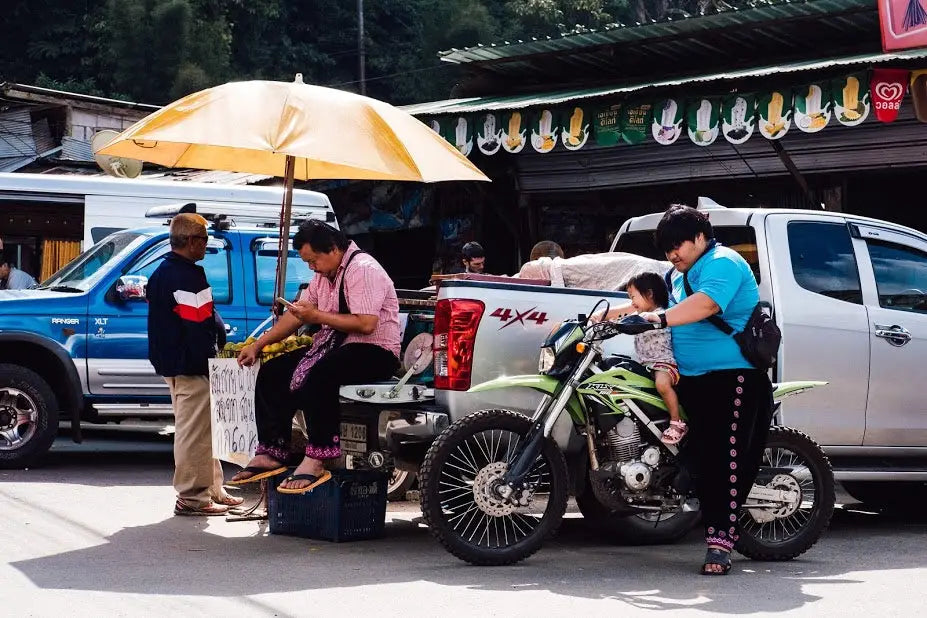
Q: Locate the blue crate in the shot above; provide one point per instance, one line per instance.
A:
(349, 507)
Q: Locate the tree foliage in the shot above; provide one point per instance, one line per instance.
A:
(155, 51)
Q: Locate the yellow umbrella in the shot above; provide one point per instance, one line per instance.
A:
(294, 131)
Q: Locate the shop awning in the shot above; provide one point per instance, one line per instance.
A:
(486, 104)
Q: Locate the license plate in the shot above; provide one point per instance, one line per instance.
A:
(354, 437)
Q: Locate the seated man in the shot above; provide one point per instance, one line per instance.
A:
(354, 302)
(11, 278)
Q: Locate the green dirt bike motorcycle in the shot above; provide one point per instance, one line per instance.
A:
(494, 485)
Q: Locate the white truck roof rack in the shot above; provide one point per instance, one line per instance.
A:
(225, 215)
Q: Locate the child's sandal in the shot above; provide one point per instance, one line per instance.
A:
(676, 431)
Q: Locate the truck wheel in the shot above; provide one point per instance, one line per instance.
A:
(28, 416)
(888, 496)
(634, 528)
(400, 481)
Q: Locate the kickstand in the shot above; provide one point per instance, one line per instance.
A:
(255, 512)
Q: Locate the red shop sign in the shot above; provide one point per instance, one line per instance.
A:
(904, 24)
(888, 87)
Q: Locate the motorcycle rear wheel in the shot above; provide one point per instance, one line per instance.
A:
(459, 468)
(789, 537)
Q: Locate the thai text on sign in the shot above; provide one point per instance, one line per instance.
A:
(231, 399)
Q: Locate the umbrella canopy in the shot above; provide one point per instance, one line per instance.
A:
(253, 126)
(295, 131)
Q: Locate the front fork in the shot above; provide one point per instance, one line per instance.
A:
(542, 424)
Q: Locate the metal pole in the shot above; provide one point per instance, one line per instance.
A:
(360, 47)
(286, 212)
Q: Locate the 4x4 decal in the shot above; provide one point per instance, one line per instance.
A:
(509, 317)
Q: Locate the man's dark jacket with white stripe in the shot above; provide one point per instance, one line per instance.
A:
(181, 321)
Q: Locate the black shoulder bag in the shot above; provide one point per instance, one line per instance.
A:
(339, 336)
(760, 339)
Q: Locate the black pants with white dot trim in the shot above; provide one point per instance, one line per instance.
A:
(728, 413)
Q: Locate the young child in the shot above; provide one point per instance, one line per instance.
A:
(655, 349)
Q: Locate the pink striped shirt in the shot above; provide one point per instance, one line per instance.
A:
(368, 290)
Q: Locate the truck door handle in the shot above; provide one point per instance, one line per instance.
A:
(895, 335)
(229, 329)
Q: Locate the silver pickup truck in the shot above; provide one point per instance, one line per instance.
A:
(849, 296)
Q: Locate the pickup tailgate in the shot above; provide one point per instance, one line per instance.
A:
(515, 320)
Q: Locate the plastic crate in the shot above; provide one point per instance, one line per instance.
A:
(349, 507)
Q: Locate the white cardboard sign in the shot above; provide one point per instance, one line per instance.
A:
(231, 405)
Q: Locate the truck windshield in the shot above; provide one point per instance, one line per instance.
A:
(82, 272)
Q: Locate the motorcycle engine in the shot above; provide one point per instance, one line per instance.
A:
(628, 467)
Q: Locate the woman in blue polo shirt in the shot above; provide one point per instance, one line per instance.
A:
(726, 399)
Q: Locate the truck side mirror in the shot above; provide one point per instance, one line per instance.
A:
(131, 287)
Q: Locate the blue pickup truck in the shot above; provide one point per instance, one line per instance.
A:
(75, 348)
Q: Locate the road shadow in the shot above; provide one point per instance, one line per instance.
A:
(180, 556)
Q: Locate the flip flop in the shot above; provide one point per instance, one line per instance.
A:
(258, 474)
(314, 481)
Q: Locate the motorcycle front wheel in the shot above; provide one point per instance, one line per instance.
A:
(463, 512)
(793, 461)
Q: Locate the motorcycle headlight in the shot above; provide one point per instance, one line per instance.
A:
(546, 360)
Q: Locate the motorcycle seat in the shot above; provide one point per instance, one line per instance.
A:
(619, 360)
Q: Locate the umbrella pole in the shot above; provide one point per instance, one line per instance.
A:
(285, 215)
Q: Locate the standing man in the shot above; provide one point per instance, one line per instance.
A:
(182, 337)
(11, 278)
(472, 259)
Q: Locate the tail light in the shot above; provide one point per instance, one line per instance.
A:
(456, 321)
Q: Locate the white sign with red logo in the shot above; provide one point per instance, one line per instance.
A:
(888, 87)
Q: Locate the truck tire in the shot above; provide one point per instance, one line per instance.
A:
(400, 481)
(28, 416)
(888, 496)
(633, 529)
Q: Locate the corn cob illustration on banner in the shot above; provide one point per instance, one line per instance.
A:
(635, 122)
(919, 93)
(435, 125)
(514, 126)
(851, 98)
(812, 107)
(544, 127)
(488, 134)
(575, 127)
(703, 119)
(608, 125)
(774, 114)
(666, 126)
(738, 117)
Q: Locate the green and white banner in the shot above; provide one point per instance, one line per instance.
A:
(703, 117)
(544, 128)
(774, 114)
(608, 125)
(666, 126)
(812, 107)
(575, 127)
(488, 134)
(851, 99)
(635, 122)
(738, 117)
(515, 134)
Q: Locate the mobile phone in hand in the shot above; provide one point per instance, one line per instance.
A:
(285, 302)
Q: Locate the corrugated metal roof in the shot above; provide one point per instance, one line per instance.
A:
(74, 149)
(478, 104)
(213, 176)
(16, 139)
(764, 11)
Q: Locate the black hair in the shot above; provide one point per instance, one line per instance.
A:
(679, 224)
(7, 257)
(653, 285)
(472, 250)
(322, 237)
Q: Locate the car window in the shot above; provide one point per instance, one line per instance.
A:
(83, 271)
(901, 276)
(823, 260)
(216, 264)
(740, 238)
(265, 267)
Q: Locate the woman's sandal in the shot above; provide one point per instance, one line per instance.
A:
(674, 434)
(314, 481)
(257, 474)
(717, 557)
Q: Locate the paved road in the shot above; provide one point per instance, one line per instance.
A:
(91, 534)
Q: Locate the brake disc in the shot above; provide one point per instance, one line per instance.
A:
(484, 494)
(790, 500)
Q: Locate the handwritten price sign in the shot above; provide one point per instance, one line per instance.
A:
(231, 399)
